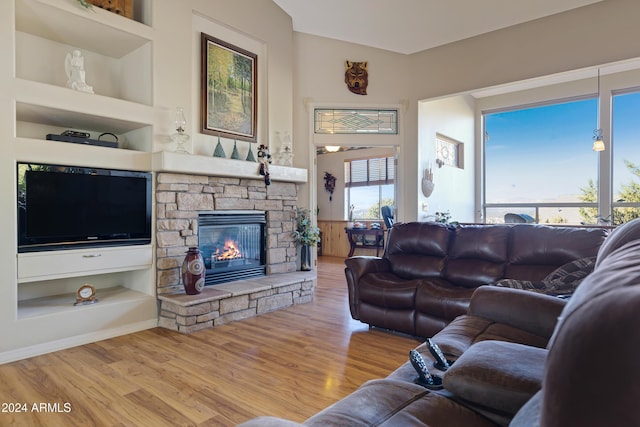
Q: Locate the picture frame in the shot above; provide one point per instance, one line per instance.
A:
(229, 90)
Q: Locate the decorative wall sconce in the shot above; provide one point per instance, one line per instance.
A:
(427, 182)
(329, 184)
(180, 137)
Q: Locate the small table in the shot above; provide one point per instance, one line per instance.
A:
(358, 239)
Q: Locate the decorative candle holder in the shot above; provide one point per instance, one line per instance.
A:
(180, 137)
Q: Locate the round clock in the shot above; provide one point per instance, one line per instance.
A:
(86, 294)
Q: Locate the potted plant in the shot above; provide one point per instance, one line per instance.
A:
(307, 235)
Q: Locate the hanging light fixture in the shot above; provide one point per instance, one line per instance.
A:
(598, 142)
(332, 148)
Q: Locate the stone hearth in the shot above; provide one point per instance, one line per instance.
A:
(238, 300)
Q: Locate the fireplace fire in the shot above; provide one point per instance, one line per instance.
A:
(232, 244)
(229, 252)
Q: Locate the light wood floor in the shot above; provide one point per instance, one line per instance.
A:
(290, 363)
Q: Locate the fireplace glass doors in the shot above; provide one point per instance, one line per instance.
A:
(232, 244)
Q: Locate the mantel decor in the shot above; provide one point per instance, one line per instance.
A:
(228, 90)
(329, 184)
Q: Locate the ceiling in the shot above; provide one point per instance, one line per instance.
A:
(409, 26)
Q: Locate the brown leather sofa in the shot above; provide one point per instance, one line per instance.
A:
(549, 361)
(429, 271)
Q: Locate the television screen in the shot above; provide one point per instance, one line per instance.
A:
(66, 207)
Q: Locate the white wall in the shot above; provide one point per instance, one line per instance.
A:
(258, 26)
(319, 82)
(589, 36)
(454, 187)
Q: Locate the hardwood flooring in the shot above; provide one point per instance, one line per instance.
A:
(290, 363)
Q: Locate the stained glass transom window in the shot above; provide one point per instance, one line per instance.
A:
(356, 121)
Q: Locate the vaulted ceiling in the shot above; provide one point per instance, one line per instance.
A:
(409, 26)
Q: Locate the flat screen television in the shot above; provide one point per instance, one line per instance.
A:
(65, 207)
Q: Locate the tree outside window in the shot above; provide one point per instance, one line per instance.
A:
(369, 185)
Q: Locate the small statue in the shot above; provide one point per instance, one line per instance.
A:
(265, 159)
(74, 67)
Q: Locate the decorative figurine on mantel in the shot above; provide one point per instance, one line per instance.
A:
(74, 67)
(286, 151)
(265, 159)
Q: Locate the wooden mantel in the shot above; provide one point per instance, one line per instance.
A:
(164, 161)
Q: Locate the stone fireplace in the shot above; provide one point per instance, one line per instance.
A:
(233, 245)
(181, 200)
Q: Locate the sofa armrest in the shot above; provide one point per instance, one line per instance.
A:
(361, 265)
(269, 422)
(356, 267)
(530, 311)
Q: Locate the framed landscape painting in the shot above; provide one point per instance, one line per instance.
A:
(229, 90)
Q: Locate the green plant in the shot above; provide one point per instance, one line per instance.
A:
(442, 217)
(305, 233)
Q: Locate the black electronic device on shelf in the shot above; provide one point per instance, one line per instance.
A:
(84, 138)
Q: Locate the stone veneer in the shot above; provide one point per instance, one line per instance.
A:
(179, 199)
(228, 302)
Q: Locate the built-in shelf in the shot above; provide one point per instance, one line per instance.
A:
(59, 106)
(64, 303)
(165, 161)
(69, 154)
(67, 22)
(118, 61)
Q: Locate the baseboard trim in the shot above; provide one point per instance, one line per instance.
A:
(51, 346)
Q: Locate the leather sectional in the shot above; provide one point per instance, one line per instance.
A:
(429, 271)
(521, 358)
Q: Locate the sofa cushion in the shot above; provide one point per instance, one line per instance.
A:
(561, 281)
(477, 255)
(496, 374)
(536, 250)
(442, 299)
(388, 403)
(465, 331)
(387, 290)
(417, 250)
(529, 414)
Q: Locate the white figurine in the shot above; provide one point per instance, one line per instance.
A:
(74, 67)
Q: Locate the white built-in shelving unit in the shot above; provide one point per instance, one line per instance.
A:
(38, 300)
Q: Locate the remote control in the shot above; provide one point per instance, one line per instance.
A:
(436, 352)
(418, 364)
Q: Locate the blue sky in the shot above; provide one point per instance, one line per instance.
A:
(544, 153)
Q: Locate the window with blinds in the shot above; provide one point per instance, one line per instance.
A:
(368, 172)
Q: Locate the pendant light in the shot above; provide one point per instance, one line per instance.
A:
(598, 143)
